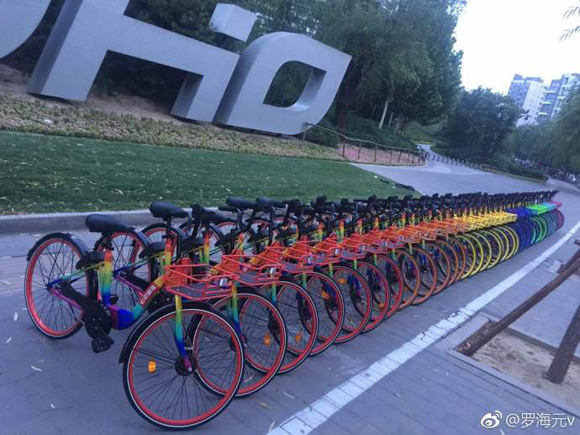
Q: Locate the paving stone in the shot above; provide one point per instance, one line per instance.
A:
(34, 426)
(15, 407)
(71, 419)
(54, 399)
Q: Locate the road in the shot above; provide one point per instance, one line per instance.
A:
(439, 177)
(397, 379)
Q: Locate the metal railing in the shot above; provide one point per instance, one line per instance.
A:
(469, 164)
(452, 161)
(366, 151)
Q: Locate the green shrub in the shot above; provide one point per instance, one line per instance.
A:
(357, 128)
(323, 137)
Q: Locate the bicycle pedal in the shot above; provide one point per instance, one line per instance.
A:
(102, 344)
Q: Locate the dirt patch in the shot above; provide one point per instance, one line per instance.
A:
(13, 82)
(528, 363)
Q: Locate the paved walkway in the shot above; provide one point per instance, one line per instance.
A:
(53, 387)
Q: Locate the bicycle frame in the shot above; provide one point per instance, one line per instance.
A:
(120, 318)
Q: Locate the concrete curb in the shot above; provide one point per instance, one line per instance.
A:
(43, 223)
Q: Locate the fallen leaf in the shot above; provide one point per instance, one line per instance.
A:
(288, 395)
(397, 394)
(265, 406)
(15, 316)
(35, 368)
(9, 340)
(271, 428)
(52, 406)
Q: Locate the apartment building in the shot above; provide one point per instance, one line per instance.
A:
(528, 93)
(556, 95)
(540, 101)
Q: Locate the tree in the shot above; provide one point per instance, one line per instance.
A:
(440, 78)
(480, 124)
(567, 132)
(402, 52)
(534, 143)
(354, 27)
(553, 143)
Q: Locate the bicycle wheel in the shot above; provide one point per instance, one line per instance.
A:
(380, 293)
(358, 304)
(518, 229)
(234, 239)
(157, 233)
(217, 241)
(457, 262)
(329, 306)
(468, 248)
(411, 277)
(495, 247)
(505, 241)
(559, 219)
(428, 275)
(301, 319)
(459, 249)
(126, 248)
(394, 276)
(264, 337)
(514, 240)
(443, 265)
(55, 257)
(158, 383)
(486, 249)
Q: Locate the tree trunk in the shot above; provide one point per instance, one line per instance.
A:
(384, 113)
(390, 120)
(340, 116)
(344, 97)
(406, 122)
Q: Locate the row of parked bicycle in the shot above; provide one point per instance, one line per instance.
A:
(230, 298)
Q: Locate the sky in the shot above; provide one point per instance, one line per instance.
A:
(500, 38)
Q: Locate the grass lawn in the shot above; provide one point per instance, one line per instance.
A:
(55, 174)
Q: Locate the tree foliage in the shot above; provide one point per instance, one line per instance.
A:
(481, 123)
(553, 143)
(402, 53)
